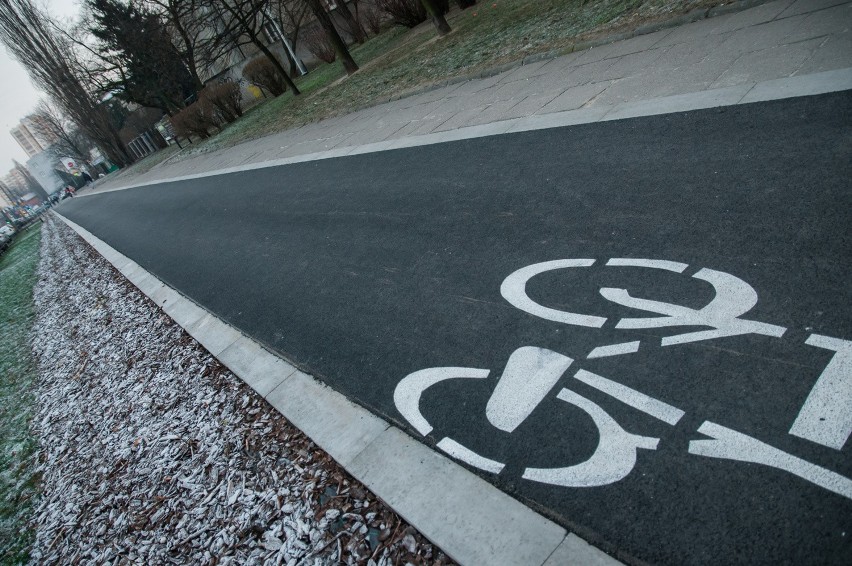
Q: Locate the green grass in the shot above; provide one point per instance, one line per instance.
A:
(401, 60)
(18, 480)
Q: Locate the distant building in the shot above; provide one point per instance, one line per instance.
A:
(26, 139)
(43, 168)
(33, 135)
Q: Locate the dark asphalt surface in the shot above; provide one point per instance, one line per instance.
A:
(364, 269)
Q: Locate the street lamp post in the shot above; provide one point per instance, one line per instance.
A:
(301, 66)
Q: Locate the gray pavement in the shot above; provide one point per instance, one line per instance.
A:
(734, 56)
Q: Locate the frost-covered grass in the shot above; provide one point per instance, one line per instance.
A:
(154, 453)
(400, 60)
(18, 478)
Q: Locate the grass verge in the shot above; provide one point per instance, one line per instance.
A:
(400, 60)
(18, 479)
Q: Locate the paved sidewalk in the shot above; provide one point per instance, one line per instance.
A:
(728, 57)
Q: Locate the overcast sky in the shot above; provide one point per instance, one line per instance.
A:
(18, 96)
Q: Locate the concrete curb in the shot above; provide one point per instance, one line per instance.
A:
(775, 89)
(468, 518)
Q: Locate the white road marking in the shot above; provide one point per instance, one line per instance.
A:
(613, 459)
(468, 456)
(734, 297)
(826, 416)
(530, 374)
(614, 350)
(635, 399)
(514, 290)
(407, 394)
(674, 266)
(732, 445)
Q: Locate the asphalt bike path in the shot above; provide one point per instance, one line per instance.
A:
(640, 328)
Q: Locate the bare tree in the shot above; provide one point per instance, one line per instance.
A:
(67, 140)
(31, 37)
(336, 41)
(195, 26)
(246, 18)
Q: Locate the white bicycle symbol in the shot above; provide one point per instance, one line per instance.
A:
(531, 373)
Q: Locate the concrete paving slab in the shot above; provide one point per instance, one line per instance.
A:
(700, 30)
(524, 72)
(370, 136)
(633, 64)
(636, 44)
(440, 93)
(516, 108)
(425, 126)
(471, 523)
(592, 72)
(560, 64)
(524, 87)
(835, 20)
(260, 369)
(574, 551)
(770, 34)
(574, 98)
(340, 427)
(755, 16)
(461, 119)
(598, 53)
(807, 6)
(767, 64)
(831, 55)
(475, 86)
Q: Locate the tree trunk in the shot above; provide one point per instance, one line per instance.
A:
(465, 4)
(357, 31)
(437, 17)
(336, 41)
